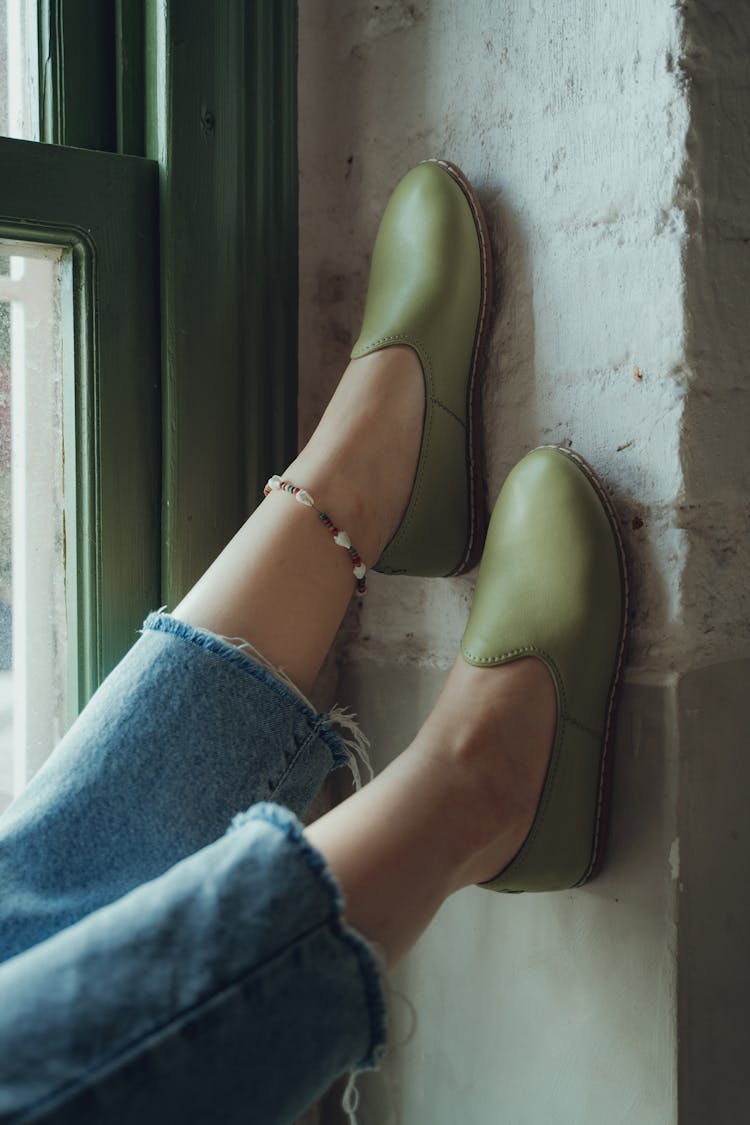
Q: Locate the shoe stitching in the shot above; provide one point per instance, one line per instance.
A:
(546, 798)
(484, 257)
(625, 608)
(542, 808)
(478, 337)
(544, 802)
(597, 734)
(425, 360)
(418, 487)
(394, 338)
(606, 500)
(448, 410)
(525, 650)
(426, 363)
(416, 492)
(564, 715)
(555, 756)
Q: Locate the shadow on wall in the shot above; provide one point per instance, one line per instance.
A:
(714, 446)
(348, 166)
(509, 390)
(485, 978)
(714, 984)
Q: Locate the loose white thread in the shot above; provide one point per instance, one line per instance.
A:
(279, 673)
(357, 745)
(350, 1100)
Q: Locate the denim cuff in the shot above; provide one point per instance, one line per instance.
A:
(365, 956)
(320, 723)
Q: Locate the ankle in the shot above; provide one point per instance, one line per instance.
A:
(331, 481)
(361, 461)
(493, 805)
(493, 729)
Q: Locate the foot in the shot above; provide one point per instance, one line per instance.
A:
(453, 809)
(493, 729)
(429, 288)
(360, 463)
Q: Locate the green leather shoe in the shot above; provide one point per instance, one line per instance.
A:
(553, 584)
(430, 289)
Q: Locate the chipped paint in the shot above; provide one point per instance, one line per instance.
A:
(674, 858)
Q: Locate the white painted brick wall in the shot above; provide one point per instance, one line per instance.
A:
(614, 167)
(571, 120)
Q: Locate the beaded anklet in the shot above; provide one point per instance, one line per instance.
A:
(340, 538)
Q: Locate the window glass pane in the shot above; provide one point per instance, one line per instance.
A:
(19, 71)
(33, 658)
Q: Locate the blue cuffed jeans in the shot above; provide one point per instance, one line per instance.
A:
(172, 947)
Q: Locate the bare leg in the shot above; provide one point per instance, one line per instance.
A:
(452, 810)
(280, 583)
(456, 805)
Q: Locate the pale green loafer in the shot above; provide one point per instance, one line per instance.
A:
(553, 584)
(430, 289)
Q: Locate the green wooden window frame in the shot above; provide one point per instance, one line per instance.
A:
(184, 273)
(221, 98)
(104, 210)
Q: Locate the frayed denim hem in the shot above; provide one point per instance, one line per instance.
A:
(286, 822)
(320, 724)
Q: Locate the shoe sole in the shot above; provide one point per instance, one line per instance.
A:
(474, 450)
(604, 797)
